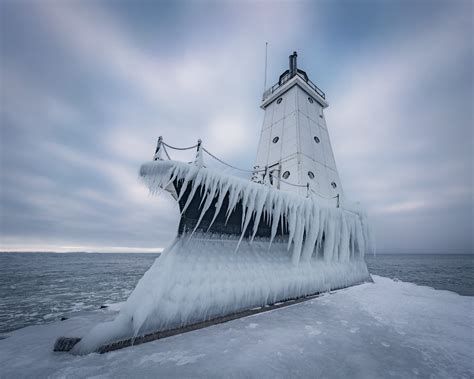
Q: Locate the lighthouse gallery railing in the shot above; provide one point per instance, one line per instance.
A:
(277, 85)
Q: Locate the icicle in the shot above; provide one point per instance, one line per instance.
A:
(249, 208)
(222, 194)
(209, 198)
(312, 232)
(195, 185)
(190, 175)
(276, 214)
(235, 192)
(245, 208)
(329, 238)
(344, 241)
(298, 233)
(260, 203)
(291, 219)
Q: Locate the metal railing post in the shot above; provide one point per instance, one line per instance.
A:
(157, 155)
(255, 175)
(199, 159)
(265, 175)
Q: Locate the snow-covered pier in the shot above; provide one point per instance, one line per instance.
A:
(367, 331)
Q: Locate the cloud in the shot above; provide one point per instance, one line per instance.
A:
(402, 116)
(394, 124)
(88, 87)
(69, 169)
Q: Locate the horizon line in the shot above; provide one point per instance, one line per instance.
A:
(160, 250)
(81, 249)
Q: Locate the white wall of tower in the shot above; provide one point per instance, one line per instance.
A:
(296, 121)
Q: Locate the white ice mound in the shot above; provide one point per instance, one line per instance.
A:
(201, 277)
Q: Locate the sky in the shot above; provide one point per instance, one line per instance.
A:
(87, 87)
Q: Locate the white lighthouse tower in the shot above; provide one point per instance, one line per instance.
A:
(294, 145)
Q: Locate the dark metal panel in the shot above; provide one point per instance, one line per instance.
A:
(232, 227)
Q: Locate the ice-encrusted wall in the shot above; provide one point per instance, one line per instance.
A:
(200, 277)
(345, 232)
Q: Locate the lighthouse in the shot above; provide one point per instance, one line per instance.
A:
(294, 152)
(245, 244)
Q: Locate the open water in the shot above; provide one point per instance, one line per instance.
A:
(36, 288)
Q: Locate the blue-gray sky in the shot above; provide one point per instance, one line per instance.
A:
(86, 88)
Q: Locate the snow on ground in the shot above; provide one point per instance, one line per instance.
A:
(385, 329)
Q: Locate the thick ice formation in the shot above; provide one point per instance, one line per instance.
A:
(345, 230)
(200, 277)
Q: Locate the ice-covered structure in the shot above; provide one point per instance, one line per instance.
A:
(285, 234)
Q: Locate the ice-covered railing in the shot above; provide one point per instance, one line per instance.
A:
(258, 175)
(338, 234)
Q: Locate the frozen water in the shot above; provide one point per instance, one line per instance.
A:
(428, 333)
(42, 287)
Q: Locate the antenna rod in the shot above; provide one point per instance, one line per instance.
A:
(266, 55)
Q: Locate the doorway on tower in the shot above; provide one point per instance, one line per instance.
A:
(274, 173)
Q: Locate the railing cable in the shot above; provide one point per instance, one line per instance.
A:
(165, 145)
(227, 164)
(284, 181)
(166, 152)
(179, 148)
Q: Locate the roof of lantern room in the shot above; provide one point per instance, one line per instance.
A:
(289, 78)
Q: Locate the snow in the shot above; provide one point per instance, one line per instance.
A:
(386, 329)
(200, 277)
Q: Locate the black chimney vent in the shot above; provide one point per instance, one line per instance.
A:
(293, 68)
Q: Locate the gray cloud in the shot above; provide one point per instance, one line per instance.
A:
(411, 121)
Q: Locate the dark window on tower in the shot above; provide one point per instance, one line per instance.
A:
(310, 174)
(316, 139)
(310, 99)
(275, 140)
(286, 175)
(334, 185)
(321, 112)
(279, 100)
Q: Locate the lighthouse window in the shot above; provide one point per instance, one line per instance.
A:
(316, 139)
(279, 100)
(310, 174)
(286, 175)
(310, 99)
(334, 185)
(275, 140)
(321, 112)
